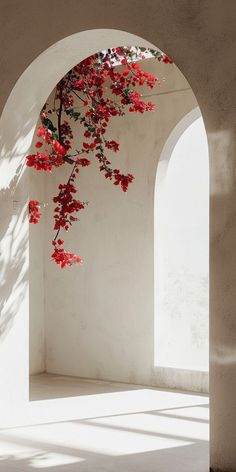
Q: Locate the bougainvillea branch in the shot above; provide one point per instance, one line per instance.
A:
(104, 91)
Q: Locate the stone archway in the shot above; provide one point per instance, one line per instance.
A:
(18, 122)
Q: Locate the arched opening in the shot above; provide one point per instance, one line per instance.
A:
(182, 256)
(18, 123)
(118, 344)
(74, 333)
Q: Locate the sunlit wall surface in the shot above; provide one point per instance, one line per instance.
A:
(182, 265)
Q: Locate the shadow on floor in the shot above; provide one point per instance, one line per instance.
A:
(190, 458)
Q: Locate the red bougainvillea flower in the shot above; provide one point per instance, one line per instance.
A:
(113, 145)
(34, 213)
(123, 180)
(39, 161)
(67, 206)
(83, 161)
(92, 93)
(166, 59)
(62, 257)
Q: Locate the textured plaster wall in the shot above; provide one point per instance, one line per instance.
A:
(200, 36)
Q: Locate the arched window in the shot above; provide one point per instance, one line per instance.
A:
(181, 248)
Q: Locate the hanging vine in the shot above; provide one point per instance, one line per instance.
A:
(105, 91)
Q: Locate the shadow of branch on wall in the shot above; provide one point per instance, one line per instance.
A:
(13, 252)
(18, 123)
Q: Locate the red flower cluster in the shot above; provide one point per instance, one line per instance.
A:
(39, 161)
(34, 213)
(113, 145)
(93, 83)
(139, 105)
(67, 206)
(166, 59)
(45, 161)
(83, 162)
(122, 180)
(63, 258)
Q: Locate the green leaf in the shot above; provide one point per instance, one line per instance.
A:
(49, 125)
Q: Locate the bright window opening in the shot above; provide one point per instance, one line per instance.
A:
(182, 254)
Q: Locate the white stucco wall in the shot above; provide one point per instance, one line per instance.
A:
(99, 318)
(201, 40)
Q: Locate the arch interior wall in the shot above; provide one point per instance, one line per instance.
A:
(88, 321)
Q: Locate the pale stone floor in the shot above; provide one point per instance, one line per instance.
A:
(94, 426)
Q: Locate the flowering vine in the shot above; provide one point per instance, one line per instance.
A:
(104, 91)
